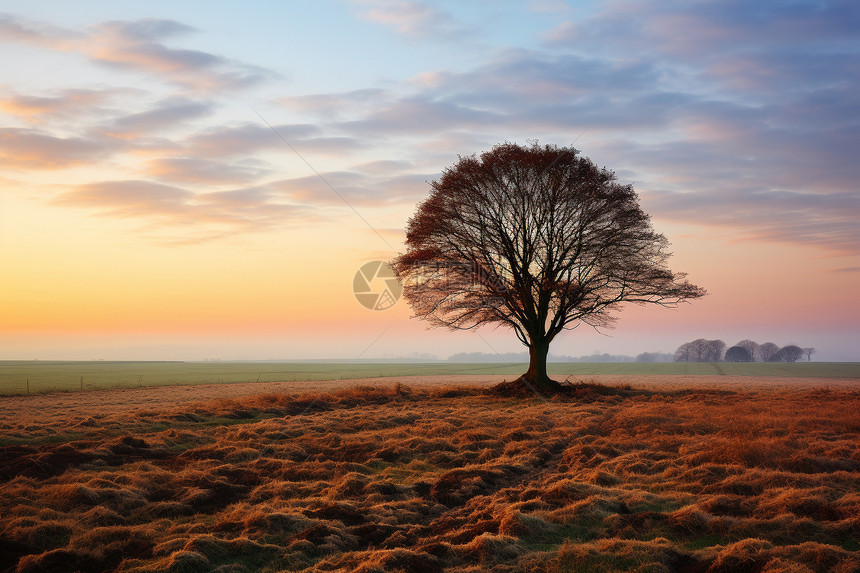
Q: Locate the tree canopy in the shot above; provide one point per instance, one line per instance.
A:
(535, 238)
(700, 350)
(738, 354)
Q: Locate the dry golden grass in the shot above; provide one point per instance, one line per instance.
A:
(436, 478)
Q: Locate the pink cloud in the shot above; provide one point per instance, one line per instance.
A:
(202, 171)
(32, 149)
(412, 19)
(138, 46)
(200, 216)
(67, 103)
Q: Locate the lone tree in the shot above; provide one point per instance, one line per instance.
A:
(537, 239)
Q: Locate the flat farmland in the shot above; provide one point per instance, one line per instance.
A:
(21, 377)
(431, 473)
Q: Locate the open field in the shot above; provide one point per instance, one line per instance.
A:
(21, 377)
(698, 474)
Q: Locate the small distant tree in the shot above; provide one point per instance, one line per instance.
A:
(684, 353)
(808, 352)
(537, 239)
(700, 350)
(738, 354)
(751, 346)
(654, 357)
(646, 357)
(716, 348)
(767, 351)
(790, 353)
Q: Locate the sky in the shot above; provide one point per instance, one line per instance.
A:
(188, 181)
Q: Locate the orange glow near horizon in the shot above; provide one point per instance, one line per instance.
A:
(269, 288)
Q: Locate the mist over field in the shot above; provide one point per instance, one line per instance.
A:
(25, 377)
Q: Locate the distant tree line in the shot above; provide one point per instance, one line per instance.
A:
(703, 350)
(654, 357)
(516, 357)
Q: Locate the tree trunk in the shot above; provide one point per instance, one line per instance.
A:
(536, 375)
(535, 381)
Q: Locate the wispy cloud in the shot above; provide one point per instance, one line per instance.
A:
(826, 220)
(165, 115)
(195, 214)
(364, 186)
(16, 29)
(202, 171)
(58, 104)
(33, 149)
(699, 30)
(131, 199)
(338, 106)
(139, 46)
(248, 138)
(420, 115)
(412, 19)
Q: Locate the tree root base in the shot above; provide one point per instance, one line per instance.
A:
(524, 387)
